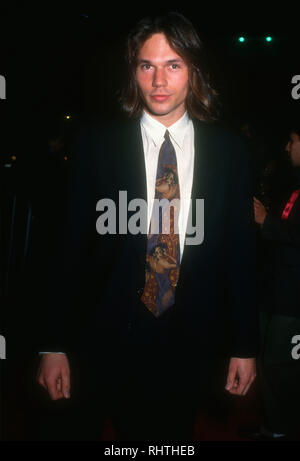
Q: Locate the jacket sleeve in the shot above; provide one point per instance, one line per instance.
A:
(65, 305)
(241, 249)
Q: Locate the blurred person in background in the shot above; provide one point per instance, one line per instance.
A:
(279, 365)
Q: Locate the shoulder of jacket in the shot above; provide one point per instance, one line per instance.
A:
(221, 137)
(218, 130)
(103, 130)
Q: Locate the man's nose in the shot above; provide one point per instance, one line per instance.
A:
(159, 78)
(287, 147)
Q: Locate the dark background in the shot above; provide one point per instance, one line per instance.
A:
(61, 61)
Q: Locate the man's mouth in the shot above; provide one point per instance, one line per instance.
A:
(160, 97)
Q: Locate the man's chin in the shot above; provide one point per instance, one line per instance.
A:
(159, 111)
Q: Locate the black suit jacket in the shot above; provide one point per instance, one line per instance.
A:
(101, 277)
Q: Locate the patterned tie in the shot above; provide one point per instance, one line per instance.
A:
(163, 251)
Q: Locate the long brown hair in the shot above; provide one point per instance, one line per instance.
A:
(201, 101)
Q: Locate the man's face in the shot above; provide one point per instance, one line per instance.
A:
(293, 149)
(162, 76)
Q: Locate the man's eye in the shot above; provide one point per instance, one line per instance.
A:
(146, 66)
(174, 66)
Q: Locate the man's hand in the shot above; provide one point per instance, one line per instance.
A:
(54, 375)
(260, 211)
(241, 375)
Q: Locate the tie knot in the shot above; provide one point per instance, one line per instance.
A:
(167, 135)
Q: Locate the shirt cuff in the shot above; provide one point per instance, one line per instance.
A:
(52, 353)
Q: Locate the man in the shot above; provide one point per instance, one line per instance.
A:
(166, 308)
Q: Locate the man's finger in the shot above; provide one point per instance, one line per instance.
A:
(238, 389)
(41, 381)
(247, 388)
(66, 385)
(53, 389)
(244, 384)
(240, 383)
(231, 377)
(249, 384)
(242, 387)
(59, 385)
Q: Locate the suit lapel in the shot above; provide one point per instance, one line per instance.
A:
(202, 179)
(135, 162)
(203, 187)
(135, 171)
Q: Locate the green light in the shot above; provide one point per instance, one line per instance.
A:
(268, 38)
(241, 39)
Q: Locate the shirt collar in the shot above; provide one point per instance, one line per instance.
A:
(156, 130)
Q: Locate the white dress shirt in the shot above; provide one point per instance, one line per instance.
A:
(182, 138)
